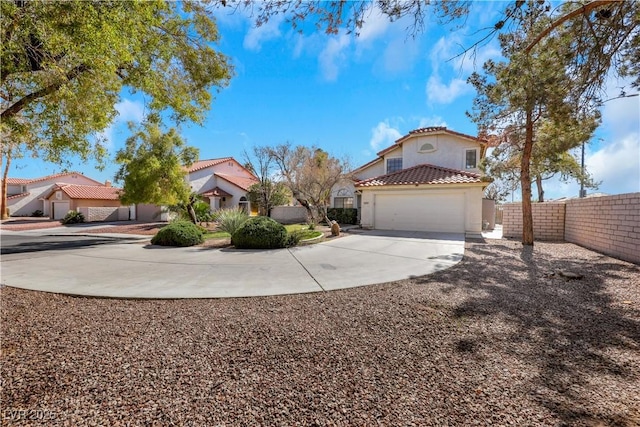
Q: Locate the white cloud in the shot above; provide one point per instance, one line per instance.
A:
(332, 55)
(617, 165)
(128, 111)
(431, 121)
(621, 116)
(475, 59)
(446, 93)
(437, 90)
(375, 25)
(256, 36)
(383, 136)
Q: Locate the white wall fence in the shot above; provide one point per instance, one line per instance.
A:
(289, 214)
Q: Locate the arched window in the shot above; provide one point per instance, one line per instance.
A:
(244, 204)
(427, 147)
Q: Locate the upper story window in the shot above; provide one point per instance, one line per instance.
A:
(394, 164)
(471, 159)
(427, 147)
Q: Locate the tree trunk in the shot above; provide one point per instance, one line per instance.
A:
(540, 189)
(525, 181)
(5, 175)
(192, 213)
(308, 208)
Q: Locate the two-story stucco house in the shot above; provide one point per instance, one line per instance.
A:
(25, 196)
(428, 180)
(223, 183)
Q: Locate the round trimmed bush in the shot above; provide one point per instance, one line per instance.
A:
(260, 232)
(72, 217)
(179, 233)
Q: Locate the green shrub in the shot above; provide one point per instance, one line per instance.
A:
(203, 211)
(293, 238)
(72, 217)
(260, 232)
(179, 233)
(37, 213)
(343, 215)
(230, 220)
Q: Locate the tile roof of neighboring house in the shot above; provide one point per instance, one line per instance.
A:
(94, 192)
(17, 196)
(16, 181)
(422, 174)
(216, 192)
(203, 164)
(238, 181)
(46, 178)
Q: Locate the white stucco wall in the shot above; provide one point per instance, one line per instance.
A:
(204, 179)
(40, 189)
(472, 196)
(450, 151)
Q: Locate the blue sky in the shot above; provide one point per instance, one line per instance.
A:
(353, 96)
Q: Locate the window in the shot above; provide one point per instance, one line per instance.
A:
(394, 165)
(243, 204)
(427, 147)
(343, 202)
(471, 160)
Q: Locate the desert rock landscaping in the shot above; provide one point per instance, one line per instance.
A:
(501, 338)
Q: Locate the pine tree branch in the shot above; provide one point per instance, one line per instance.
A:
(564, 18)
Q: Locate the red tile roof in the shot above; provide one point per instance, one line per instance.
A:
(216, 192)
(17, 196)
(93, 192)
(422, 174)
(17, 181)
(203, 164)
(238, 181)
(46, 178)
(439, 129)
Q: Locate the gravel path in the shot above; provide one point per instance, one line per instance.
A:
(501, 338)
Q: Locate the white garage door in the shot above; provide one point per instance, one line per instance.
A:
(420, 212)
(60, 209)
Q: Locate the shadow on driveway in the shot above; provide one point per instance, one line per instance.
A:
(52, 243)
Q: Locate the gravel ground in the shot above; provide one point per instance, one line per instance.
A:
(145, 228)
(23, 224)
(501, 339)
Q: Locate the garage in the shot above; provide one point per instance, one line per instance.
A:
(420, 211)
(60, 209)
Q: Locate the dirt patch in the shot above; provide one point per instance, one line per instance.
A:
(145, 229)
(29, 224)
(498, 339)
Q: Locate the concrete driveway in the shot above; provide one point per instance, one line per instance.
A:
(136, 270)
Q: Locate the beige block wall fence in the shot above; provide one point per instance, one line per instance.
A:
(609, 224)
(105, 213)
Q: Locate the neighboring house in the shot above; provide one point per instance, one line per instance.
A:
(25, 196)
(428, 180)
(95, 202)
(223, 183)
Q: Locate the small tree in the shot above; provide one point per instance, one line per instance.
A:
(310, 174)
(153, 167)
(267, 192)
